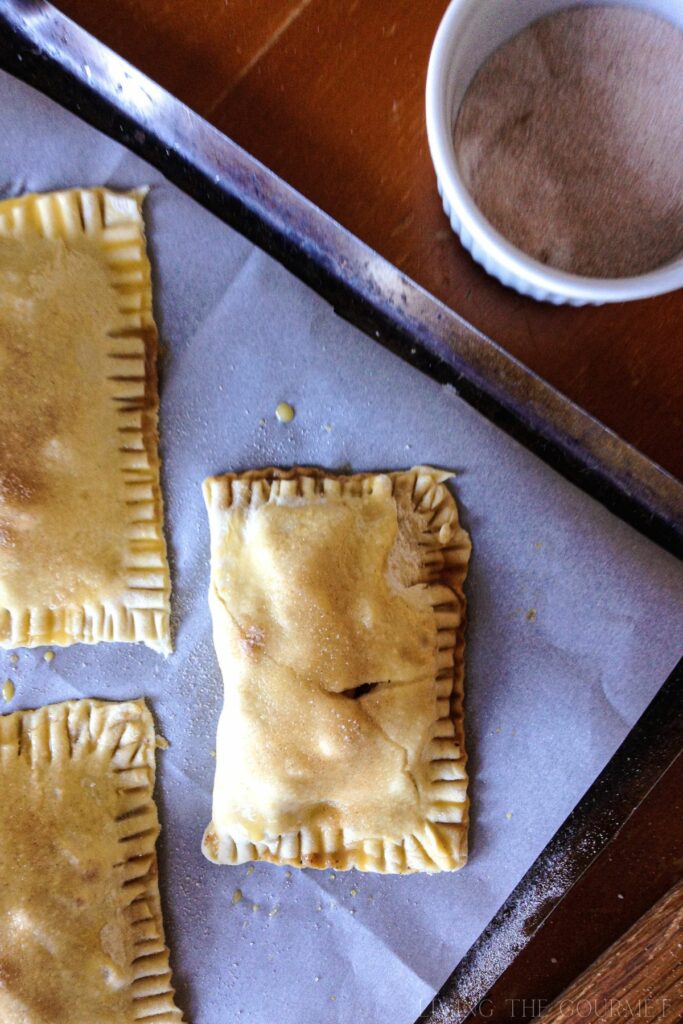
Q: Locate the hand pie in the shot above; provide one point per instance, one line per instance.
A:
(81, 935)
(82, 553)
(338, 618)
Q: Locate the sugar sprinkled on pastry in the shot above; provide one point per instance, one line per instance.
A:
(338, 618)
(82, 552)
(81, 932)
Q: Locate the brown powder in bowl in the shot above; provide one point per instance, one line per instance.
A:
(570, 141)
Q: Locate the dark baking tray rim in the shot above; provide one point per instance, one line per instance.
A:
(44, 48)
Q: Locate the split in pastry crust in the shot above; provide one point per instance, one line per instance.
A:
(338, 617)
(82, 551)
(81, 932)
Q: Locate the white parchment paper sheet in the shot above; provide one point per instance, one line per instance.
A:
(575, 619)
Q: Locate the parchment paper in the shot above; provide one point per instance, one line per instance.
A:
(575, 619)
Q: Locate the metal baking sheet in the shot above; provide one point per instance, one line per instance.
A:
(221, 311)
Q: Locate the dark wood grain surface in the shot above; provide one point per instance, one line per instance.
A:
(330, 94)
(639, 977)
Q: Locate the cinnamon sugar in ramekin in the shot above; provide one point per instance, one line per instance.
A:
(570, 141)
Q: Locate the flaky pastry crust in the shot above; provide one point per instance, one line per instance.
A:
(338, 616)
(82, 551)
(81, 932)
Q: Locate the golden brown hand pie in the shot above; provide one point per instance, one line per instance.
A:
(338, 617)
(82, 553)
(81, 934)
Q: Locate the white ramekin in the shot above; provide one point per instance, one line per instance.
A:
(469, 32)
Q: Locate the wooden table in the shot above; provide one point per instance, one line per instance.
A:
(329, 94)
(639, 978)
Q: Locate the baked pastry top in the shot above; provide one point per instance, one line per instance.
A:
(338, 618)
(81, 933)
(82, 552)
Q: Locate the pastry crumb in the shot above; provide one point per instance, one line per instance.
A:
(288, 874)
(354, 892)
(508, 815)
(49, 656)
(256, 907)
(327, 427)
(273, 911)
(250, 869)
(161, 742)
(237, 896)
(531, 615)
(14, 659)
(8, 690)
(285, 412)
(212, 753)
